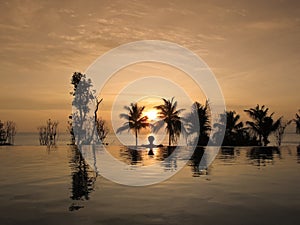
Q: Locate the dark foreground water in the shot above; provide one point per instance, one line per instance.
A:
(241, 186)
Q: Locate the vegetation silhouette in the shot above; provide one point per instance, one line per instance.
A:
(135, 120)
(198, 122)
(7, 132)
(297, 121)
(235, 132)
(262, 124)
(48, 133)
(83, 96)
(279, 132)
(169, 114)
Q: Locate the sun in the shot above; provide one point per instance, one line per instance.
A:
(151, 114)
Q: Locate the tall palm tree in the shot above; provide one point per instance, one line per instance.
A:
(169, 115)
(233, 125)
(297, 121)
(234, 132)
(263, 124)
(135, 120)
(198, 121)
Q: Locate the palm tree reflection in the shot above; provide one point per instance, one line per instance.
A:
(262, 156)
(132, 156)
(298, 153)
(227, 154)
(195, 162)
(83, 179)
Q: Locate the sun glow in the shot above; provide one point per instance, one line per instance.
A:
(151, 114)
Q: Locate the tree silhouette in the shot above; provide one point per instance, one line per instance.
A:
(297, 121)
(279, 132)
(232, 129)
(198, 121)
(7, 132)
(84, 96)
(48, 133)
(235, 133)
(169, 115)
(262, 124)
(102, 129)
(135, 120)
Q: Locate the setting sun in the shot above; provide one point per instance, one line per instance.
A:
(151, 114)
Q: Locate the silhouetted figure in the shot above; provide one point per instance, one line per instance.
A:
(150, 145)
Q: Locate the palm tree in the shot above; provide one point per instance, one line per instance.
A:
(233, 128)
(297, 121)
(135, 120)
(198, 121)
(235, 132)
(232, 124)
(169, 115)
(263, 124)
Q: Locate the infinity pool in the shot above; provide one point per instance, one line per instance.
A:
(241, 186)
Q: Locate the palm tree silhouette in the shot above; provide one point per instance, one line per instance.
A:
(233, 130)
(233, 125)
(297, 121)
(135, 120)
(198, 121)
(168, 114)
(263, 124)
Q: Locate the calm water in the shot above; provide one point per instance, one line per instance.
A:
(242, 186)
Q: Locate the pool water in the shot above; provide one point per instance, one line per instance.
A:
(242, 186)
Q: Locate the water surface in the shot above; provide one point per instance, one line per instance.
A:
(242, 186)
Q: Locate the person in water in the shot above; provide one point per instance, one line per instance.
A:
(150, 145)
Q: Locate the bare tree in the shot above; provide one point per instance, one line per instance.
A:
(102, 130)
(279, 132)
(48, 133)
(7, 132)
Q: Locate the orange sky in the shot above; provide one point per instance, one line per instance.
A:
(251, 46)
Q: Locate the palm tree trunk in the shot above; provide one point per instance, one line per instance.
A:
(169, 139)
(136, 138)
(260, 139)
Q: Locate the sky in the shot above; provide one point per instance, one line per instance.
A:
(252, 47)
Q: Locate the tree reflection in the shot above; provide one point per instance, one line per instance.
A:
(140, 157)
(195, 162)
(227, 153)
(261, 156)
(83, 179)
(298, 153)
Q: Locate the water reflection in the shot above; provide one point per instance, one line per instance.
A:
(165, 159)
(83, 179)
(298, 153)
(148, 156)
(262, 156)
(227, 153)
(195, 162)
